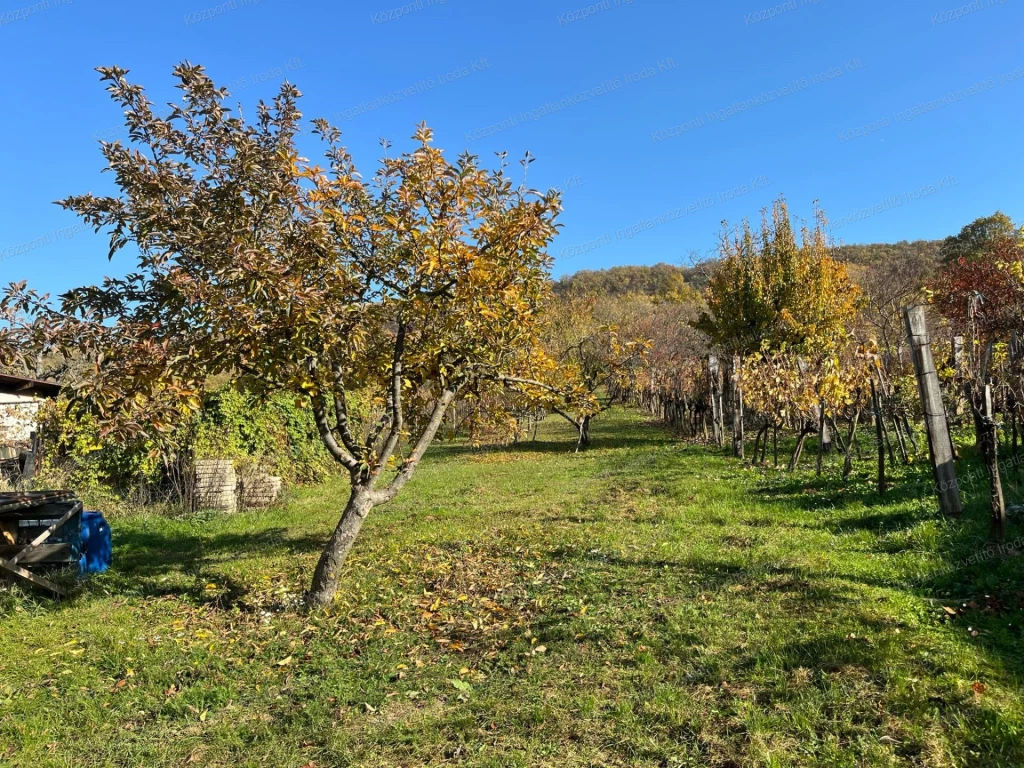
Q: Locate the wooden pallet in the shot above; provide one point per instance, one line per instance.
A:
(36, 550)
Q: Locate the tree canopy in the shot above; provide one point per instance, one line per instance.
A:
(777, 290)
(979, 237)
(255, 264)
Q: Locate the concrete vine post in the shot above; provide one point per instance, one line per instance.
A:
(940, 446)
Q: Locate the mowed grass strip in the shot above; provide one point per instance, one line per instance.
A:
(646, 603)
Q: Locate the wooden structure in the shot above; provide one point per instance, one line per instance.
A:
(20, 399)
(42, 528)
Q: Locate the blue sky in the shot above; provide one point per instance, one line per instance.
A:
(659, 119)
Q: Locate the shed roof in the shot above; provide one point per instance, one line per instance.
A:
(19, 385)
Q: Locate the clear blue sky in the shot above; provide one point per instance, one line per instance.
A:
(846, 65)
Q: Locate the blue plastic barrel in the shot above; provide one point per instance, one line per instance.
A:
(96, 545)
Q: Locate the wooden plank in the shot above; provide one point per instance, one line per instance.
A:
(940, 445)
(39, 581)
(44, 553)
(13, 502)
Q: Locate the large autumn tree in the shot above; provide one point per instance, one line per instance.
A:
(405, 288)
(587, 364)
(779, 289)
(781, 300)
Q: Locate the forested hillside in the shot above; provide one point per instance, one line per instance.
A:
(667, 280)
(873, 254)
(660, 281)
(868, 262)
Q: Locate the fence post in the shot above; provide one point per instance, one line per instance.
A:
(876, 406)
(990, 455)
(715, 369)
(940, 446)
(737, 409)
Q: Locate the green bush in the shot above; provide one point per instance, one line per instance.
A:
(274, 433)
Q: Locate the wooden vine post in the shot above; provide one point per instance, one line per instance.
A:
(940, 446)
(876, 406)
(980, 401)
(737, 409)
(990, 453)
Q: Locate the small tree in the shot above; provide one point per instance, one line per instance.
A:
(256, 265)
(588, 364)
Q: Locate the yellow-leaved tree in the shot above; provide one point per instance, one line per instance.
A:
(787, 308)
(407, 287)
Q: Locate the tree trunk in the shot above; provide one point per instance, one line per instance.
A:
(328, 569)
(821, 434)
(885, 429)
(737, 409)
(991, 457)
(834, 427)
(1016, 434)
(852, 440)
(584, 434)
(759, 447)
(898, 430)
(910, 432)
(805, 432)
(980, 401)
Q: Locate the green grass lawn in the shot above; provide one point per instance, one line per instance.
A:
(647, 603)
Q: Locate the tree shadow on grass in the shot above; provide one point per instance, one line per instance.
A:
(982, 582)
(813, 493)
(149, 553)
(696, 575)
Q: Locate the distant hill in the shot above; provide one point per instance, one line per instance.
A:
(876, 254)
(660, 280)
(664, 280)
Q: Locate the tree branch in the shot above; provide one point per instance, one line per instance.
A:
(426, 438)
(341, 413)
(327, 435)
(395, 407)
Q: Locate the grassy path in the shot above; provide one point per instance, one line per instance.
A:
(647, 603)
